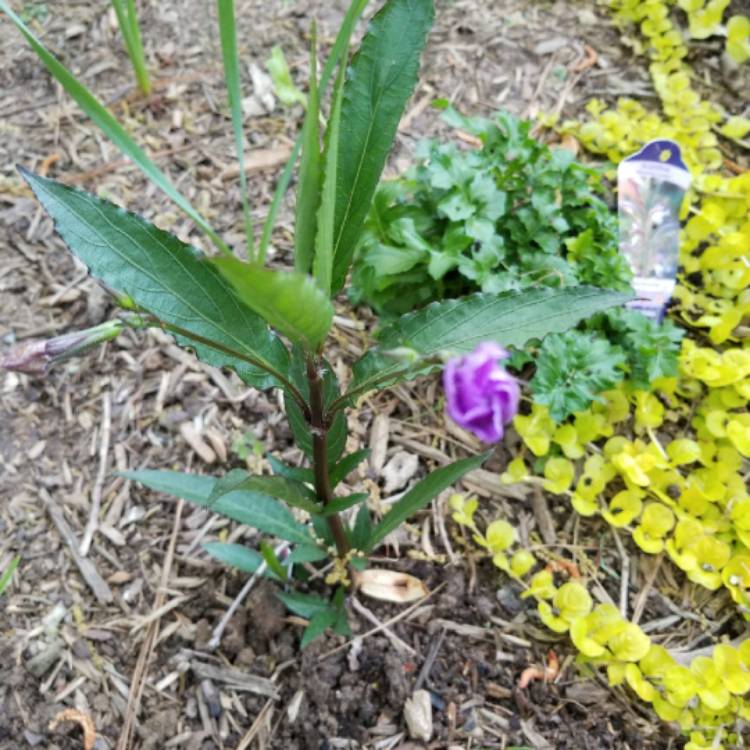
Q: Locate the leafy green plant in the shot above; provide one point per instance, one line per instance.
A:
(511, 214)
(270, 325)
(131, 35)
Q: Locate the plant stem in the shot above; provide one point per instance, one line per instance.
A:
(319, 430)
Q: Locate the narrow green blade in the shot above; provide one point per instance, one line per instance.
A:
(342, 40)
(323, 261)
(228, 33)
(308, 191)
(110, 127)
(421, 494)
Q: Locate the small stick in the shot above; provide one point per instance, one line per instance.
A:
(384, 625)
(397, 642)
(424, 673)
(213, 644)
(96, 492)
(640, 602)
(96, 583)
(624, 574)
(138, 681)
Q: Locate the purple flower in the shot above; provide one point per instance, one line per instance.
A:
(481, 395)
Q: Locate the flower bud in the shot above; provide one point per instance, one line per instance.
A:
(35, 356)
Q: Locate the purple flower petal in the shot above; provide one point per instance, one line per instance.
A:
(481, 396)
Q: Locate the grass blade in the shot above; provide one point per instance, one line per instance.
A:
(342, 40)
(323, 261)
(228, 33)
(8, 573)
(102, 118)
(137, 56)
(305, 229)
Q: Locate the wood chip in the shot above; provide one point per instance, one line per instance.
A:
(83, 720)
(196, 442)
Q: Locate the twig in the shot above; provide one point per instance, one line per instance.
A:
(640, 602)
(424, 673)
(398, 643)
(138, 681)
(255, 728)
(624, 574)
(96, 492)
(96, 583)
(543, 516)
(384, 625)
(213, 644)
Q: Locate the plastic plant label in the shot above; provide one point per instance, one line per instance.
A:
(651, 185)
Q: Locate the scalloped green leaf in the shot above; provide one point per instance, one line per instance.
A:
(457, 326)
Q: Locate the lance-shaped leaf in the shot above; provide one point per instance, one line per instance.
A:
(287, 490)
(251, 508)
(167, 278)
(323, 260)
(308, 187)
(421, 494)
(456, 326)
(342, 41)
(290, 301)
(381, 79)
(228, 36)
(237, 555)
(104, 120)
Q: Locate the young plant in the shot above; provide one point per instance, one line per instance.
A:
(131, 36)
(270, 325)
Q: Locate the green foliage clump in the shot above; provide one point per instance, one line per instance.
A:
(504, 217)
(512, 215)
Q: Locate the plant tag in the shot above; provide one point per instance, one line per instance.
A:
(650, 188)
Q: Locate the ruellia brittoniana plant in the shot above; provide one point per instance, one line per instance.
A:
(270, 325)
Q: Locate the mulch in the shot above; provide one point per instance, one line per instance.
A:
(75, 629)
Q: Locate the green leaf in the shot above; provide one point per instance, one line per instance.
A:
(290, 301)
(237, 555)
(195, 488)
(421, 494)
(458, 326)
(290, 472)
(342, 41)
(362, 529)
(323, 260)
(304, 605)
(128, 22)
(308, 188)
(272, 561)
(382, 77)
(303, 553)
(283, 85)
(251, 508)
(347, 464)
(167, 278)
(110, 127)
(291, 492)
(343, 503)
(228, 34)
(7, 574)
(318, 625)
(572, 368)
